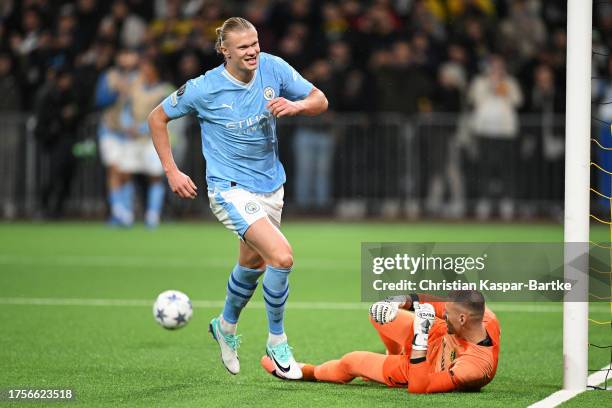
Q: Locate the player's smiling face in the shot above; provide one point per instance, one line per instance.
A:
(241, 49)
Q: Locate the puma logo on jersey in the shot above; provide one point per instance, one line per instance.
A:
(225, 105)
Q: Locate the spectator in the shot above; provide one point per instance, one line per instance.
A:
(171, 31)
(402, 86)
(138, 155)
(129, 28)
(351, 82)
(9, 85)
(111, 96)
(58, 115)
(476, 42)
(314, 148)
(88, 15)
(292, 46)
(496, 96)
(11, 139)
(441, 171)
(523, 33)
(428, 17)
(26, 40)
(334, 23)
(542, 158)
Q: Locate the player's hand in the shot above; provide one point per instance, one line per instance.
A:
(283, 107)
(403, 301)
(384, 312)
(182, 185)
(424, 316)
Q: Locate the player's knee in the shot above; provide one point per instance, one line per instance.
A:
(282, 260)
(347, 362)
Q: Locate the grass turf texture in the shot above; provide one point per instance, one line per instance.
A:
(118, 356)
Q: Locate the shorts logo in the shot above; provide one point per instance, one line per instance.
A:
(251, 207)
(268, 93)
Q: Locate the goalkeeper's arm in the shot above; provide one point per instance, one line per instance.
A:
(420, 378)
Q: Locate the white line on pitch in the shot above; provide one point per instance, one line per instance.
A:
(559, 397)
(102, 261)
(502, 307)
(196, 303)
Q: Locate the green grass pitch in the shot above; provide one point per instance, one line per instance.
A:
(115, 355)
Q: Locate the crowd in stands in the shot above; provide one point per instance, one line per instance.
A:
(378, 55)
(493, 58)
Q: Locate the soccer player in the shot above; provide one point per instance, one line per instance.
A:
(442, 347)
(237, 105)
(138, 154)
(111, 93)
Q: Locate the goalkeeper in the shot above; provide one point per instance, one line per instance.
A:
(441, 347)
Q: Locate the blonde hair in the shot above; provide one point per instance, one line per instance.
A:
(229, 25)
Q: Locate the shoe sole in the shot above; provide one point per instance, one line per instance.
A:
(212, 333)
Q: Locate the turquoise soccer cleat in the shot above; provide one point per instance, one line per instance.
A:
(228, 343)
(285, 365)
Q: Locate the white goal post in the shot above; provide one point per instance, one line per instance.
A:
(577, 195)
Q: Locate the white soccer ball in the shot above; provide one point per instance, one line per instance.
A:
(172, 309)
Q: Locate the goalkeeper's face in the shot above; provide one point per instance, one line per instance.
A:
(454, 317)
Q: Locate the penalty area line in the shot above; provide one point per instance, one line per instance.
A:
(557, 398)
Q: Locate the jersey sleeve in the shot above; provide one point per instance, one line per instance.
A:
(293, 86)
(182, 101)
(422, 381)
(469, 373)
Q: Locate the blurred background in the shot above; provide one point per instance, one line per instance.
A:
(438, 108)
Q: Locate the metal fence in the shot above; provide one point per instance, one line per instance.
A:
(348, 166)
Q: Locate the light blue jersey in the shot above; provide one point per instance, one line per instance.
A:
(238, 133)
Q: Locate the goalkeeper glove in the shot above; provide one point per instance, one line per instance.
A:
(384, 311)
(424, 316)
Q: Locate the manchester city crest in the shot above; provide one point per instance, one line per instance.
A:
(268, 93)
(251, 207)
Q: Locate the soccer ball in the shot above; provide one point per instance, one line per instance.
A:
(172, 309)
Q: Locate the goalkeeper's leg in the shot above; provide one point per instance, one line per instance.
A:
(389, 370)
(396, 335)
(355, 364)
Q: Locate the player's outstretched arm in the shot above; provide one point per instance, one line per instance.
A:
(314, 104)
(179, 182)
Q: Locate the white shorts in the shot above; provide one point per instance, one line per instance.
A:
(238, 209)
(139, 156)
(110, 147)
